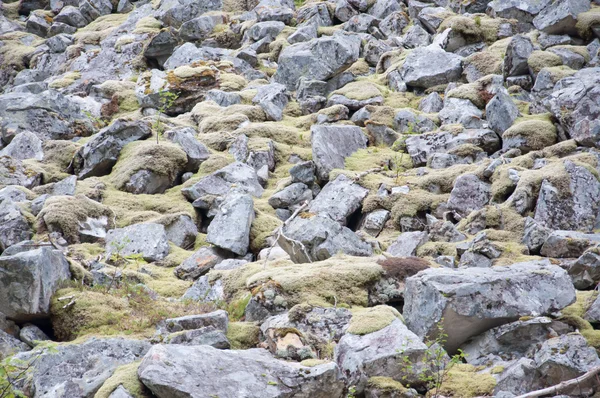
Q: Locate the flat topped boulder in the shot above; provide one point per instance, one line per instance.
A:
(148, 240)
(339, 199)
(473, 300)
(431, 66)
(317, 59)
(203, 371)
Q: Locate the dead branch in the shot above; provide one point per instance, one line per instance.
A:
(563, 385)
(279, 233)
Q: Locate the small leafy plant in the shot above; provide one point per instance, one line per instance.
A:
(436, 361)
(166, 100)
(14, 371)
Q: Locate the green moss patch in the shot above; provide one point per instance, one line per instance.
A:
(125, 376)
(243, 335)
(359, 90)
(464, 381)
(386, 385)
(533, 134)
(543, 59)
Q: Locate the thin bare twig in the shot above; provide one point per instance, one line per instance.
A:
(280, 233)
(563, 385)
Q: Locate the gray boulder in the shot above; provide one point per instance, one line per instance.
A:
(14, 227)
(272, 98)
(501, 112)
(230, 229)
(175, 12)
(585, 272)
(382, 353)
(294, 194)
(218, 184)
(196, 372)
(100, 154)
(9, 345)
(339, 199)
(14, 172)
(331, 144)
(522, 11)
(49, 115)
(430, 66)
(28, 280)
(71, 16)
(518, 51)
(196, 152)
(148, 240)
(575, 209)
(25, 145)
(407, 243)
(199, 263)
(78, 370)
(468, 194)
(574, 103)
(197, 29)
(318, 59)
(568, 244)
(473, 300)
(433, 103)
(180, 229)
(461, 111)
(373, 222)
(560, 17)
(32, 335)
(319, 237)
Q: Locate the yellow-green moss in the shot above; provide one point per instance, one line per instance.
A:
(164, 159)
(542, 59)
(99, 29)
(262, 227)
(341, 278)
(537, 134)
(66, 80)
(359, 90)
(369, 320)
(463, 381)
(64, 213)
(559, 72)
(466, 27)
(386, 385)
(125, 376)
(242, 335)
(313, 362)
(586, 20)
(471, 92)
(124, 310)
(147, 25)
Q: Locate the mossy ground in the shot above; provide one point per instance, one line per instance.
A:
(243, 335)
(124, 310)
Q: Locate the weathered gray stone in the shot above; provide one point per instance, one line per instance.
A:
(79, 370)
(332, 144)
(230, 229)
(320, 238)
(176, 12)
(585, 272)
(294, 194)
(473, 300)
(10, 346)
(560, 17)
(518, 51)
(407, 243)
(31, 335)
(148, 240)
(272, 98)
(28, 280)
(100, 154)
(339, 199)
(568, 244)
(180, 229)
(197, 28)
(380, 354)
(430, 66)
(468, 194)
(14, 226)
(318, 59)
(576, 209)
(194, 371)
(501, 112)
(199, 263)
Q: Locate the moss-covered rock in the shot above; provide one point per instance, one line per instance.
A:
(369, 320)
(64, 213)
(125, 376)
(530, 134)
(243, 335)
(542, 59)
(464, 381)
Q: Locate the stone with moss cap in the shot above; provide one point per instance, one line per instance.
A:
(381, 353)
(430, 66)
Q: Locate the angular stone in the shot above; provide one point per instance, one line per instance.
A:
(430, 66)
(473, 300)
(230, 229)
(195, 372)
(199, 263)
(331, 145)
(148, 240)
(28, 280)
(339, 199)
(568, 244)
(468, 194)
